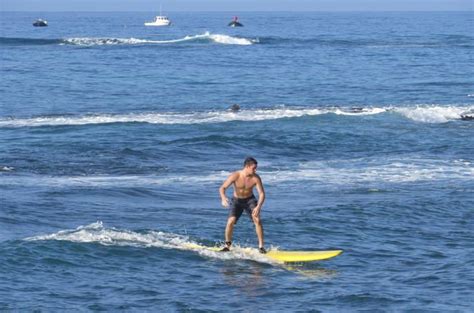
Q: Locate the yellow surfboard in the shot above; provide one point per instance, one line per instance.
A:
(277, 255)
(302, 256)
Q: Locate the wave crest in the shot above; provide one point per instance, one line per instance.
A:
(425, 114)
(182, 118)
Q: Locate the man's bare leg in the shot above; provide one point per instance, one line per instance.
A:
(259, 231)
(229, 229)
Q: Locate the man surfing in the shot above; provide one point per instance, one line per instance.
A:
(243, 199)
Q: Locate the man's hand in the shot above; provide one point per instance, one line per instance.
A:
(256, 211)
(225, 202)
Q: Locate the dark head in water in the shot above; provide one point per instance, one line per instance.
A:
(235, 22)
(466, 117)
(235, 108)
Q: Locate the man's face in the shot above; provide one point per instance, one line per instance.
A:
(252, 168)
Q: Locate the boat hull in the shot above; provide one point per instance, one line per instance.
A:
(40, 24)
(157, 24)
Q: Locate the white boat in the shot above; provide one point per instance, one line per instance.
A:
(160, 20)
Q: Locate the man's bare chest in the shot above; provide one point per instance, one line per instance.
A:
(245, 183)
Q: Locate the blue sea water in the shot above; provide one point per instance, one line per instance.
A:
(115, 137)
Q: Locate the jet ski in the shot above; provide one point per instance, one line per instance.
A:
(235, 22)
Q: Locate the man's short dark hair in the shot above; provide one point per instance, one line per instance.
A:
(249, 161)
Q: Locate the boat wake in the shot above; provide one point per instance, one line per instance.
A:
(206, 37)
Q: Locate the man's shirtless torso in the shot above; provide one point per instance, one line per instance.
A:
(243, 185)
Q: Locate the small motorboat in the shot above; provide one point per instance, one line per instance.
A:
(235, 22)
(160, 20)
(40, 23)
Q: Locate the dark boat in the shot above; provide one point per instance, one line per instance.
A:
(40, 23)
(235, 22)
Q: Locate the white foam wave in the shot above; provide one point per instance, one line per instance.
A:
(433, 113)
(160, 118)
(182, 118)
(97, 233)
(358, 111)
(217, 38)
(426, 114)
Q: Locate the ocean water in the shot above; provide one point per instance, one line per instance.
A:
(115, 137)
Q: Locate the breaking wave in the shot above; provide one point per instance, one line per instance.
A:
(160, 118)
(425, 114)
(434, 114)
(181, 118)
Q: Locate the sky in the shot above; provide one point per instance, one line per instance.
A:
(237, 5)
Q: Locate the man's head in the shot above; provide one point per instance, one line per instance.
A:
(250, 165)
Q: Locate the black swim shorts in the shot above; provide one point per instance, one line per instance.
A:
(239, 205)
